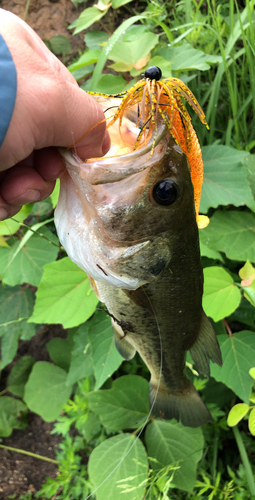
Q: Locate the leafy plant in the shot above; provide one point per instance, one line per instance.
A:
(111, 447)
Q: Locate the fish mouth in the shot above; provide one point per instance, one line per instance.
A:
(113, 168)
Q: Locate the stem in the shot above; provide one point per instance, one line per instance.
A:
(34, 455)
(26, 9)
(228, 328)
(245, 459)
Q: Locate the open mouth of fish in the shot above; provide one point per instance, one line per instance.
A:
(96, 214)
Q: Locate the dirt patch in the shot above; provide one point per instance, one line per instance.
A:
(49, 18)
(20, 474)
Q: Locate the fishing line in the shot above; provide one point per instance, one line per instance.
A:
(152, 405)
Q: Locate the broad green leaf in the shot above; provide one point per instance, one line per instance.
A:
(237, 413)
(89, 57)
(118, 468)
(91, 427)
(118, 33)
(238, 354)
(252, 372)
(108, 84)
(10, 412)
(105, 357)
(11, 226)
(164, 65)
(60, 351)
(118, 3)
(60, 44)
(94, 40)
(46, 390)
(221, 296)
(252, 397)
(251, 422)
(208, 252)
(231, 232)
(170, 443)
(16, 308)
(19, 375)
(64, 295)
(87, 18)
(55, 194)
(186, 57)
(244, 314)
(81, 362)
(247, 272)
(133, 51)
(249, 163)
(249, 293)
(124, 406)
(224, 178)
(23, 264)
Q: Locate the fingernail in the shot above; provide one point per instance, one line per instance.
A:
(106, 143)
(3, 213)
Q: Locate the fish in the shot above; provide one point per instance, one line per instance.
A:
(129, 221)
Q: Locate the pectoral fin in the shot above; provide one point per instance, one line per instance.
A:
(205, 348)
(126, 350)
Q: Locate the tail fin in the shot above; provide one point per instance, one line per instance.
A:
(205, 348)
(187, 406)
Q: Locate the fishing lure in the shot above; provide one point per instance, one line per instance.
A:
(162, 98)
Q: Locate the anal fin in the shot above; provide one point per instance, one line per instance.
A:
(206, 347)
(125, 349)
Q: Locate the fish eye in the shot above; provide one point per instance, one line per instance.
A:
(165, 192)
(153, 73)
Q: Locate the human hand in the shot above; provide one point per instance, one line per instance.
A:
(50, 111)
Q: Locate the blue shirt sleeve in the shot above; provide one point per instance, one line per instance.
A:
(8, 88)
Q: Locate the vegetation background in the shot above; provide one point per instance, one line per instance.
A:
(98, 402)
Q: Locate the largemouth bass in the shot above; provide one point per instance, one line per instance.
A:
(129, 221)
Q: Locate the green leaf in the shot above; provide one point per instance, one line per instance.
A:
(46, 390)
(60, 44)
(118, 3)
(118, 33)
(244, 314)
(81, 362)
(252, 372)
(64, 295)
(185, 57)
(87, 18)
(55, 194)
(10, 411)
(19, 375)
(238, 354)
(11, 226)
(134, 51)
(94, 40)
(91, 427)
(164, 65)
(116, 465)
(237, 413)
(108, 84)
(124, 406)
(208, 252)
(221, 296)
(16, 307)
(23, 262)
(105, 357)
(224, 178)
(250, 166)
(231, 232)
(251, 422)
(60, 351)
(170, 443)
(89, 57)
